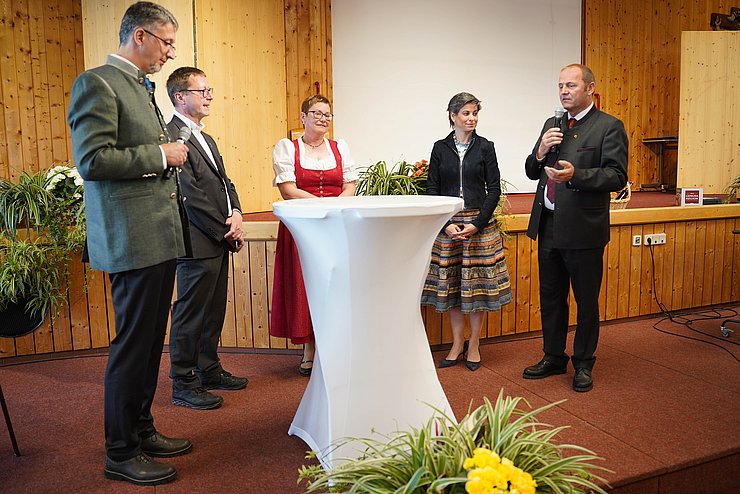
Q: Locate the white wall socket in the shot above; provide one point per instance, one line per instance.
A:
(655, 239)
(636, 240)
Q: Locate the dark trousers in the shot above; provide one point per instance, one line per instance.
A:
(198, 318)
(141, 301)
(559, 269)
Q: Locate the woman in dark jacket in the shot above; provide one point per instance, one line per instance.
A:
(468, 275)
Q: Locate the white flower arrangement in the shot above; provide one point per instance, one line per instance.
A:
(65, 182)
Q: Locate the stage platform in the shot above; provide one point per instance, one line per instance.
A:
(664, 414)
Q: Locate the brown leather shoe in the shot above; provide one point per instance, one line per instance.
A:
(139, 470)
(162, 446)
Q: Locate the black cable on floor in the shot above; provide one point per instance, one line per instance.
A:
(682, 318)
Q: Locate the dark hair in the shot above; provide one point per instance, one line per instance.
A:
(586, 74)
(458, 101)
(178, 80)
(145, 15)
(312, 100)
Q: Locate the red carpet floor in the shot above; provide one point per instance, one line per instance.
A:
(664, 413)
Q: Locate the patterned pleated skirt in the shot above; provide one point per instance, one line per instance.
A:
(472, 274)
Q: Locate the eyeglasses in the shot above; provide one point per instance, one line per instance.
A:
(204, 93)
(169, 45)
(317, 115)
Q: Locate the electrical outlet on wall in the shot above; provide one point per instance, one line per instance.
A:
(655, 239)
(636, 240)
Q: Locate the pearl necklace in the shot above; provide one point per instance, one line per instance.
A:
(312, 145)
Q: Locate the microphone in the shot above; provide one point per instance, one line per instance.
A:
(559, 113)
(184, 135)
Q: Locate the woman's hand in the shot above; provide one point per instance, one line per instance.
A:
(455, 232)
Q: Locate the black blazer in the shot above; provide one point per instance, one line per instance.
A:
(481, 179)
(204, 195)
(597, 146)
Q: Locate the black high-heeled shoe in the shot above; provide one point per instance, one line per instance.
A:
(473, 366)
(444, 363)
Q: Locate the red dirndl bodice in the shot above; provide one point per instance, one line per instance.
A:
(290, 317)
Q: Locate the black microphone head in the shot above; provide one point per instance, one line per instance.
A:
(185, 133)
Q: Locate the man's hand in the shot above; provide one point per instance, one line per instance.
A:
(564, 174)
(175, 152)
(551, 137)
(235, 234)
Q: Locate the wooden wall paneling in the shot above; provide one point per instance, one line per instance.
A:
(725, 272)
(679, 280)
(433, 325)
(69, 41)
(97, 309)
(611, 275)
(248, 113)
(24, 82)
(646, 272)
(258, 283)
(624, 237)
(446, 328)
(228, 330)
(242, 299)
(535, 318)
(270, 273)
(572, 308)
(635, 277)
(709, 255)
(25, 345)
(710, 106)
(40, 82)
(6, 50)
(43, 338)
(666, 281)
(523, 281)
(7, 348)
(492, 325)
(79, 319)
(11, 108)
(701, 241)
(57, 95)
(688, 273)
(61, 323)
(735, 285)
(508, 313)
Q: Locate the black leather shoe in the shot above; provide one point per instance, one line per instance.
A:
(542, 369)
(473, 366)
(582, 381)
(305, 371)
(223, 380)
(139, 470)
(196, 398)
(444, 363)
(163, 447)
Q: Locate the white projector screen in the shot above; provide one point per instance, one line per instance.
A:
(397, 63)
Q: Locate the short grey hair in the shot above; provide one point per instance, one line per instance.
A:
(144, 15)
(458, 101)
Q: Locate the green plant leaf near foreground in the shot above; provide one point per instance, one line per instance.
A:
(431, 459)
(42, 224)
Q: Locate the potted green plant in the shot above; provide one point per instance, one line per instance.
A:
(496, 448)
(42, 224)
(731, 190)
(401, 178)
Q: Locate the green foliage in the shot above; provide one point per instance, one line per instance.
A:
(42, 224)
(402, 178)
(431, 459)
(731, 190)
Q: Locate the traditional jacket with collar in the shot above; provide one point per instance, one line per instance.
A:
(597, 147)
(481, 179)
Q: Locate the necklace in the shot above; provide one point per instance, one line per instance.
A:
(312, 145)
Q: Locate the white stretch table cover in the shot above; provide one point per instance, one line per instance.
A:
(364, 262)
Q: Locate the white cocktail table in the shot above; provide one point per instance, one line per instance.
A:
(364, 262)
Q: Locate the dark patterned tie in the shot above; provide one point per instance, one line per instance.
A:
(551, 182)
